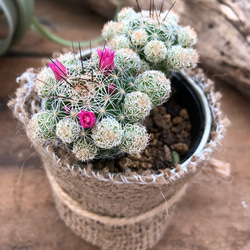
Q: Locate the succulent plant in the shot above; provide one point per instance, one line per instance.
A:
(157, 38)
(95, 107)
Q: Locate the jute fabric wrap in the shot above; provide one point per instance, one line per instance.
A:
(115, 211)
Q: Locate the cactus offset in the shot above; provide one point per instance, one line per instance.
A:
(156, 36)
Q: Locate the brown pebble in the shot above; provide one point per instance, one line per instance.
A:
(161, 156)
(184, 114)
(138, 156)
(159, 121)
(135, 157)
(149, 165)
(188, 127)
(110, 165)
(162, 110)
(159, 164)
(155, 142)
(167, 118)
(170, 125)
(167, 137)
(143, 165)
(178, 128)
(151, 159)
(154, 151)
(157, 135)
(152, 136)
(154, 130)
(124, 163)
(146, 153)
(155, 110)
(150, 150)
(167, 153)
(136, 164)
(177, 120)
(181, 148)
(99, 165)
(148, 122)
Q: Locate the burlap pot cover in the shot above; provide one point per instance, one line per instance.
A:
(115, 211)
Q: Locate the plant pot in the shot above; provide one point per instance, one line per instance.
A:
(125, 210)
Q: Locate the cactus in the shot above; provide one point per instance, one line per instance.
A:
(95, 107)
(157, 38)
(137, 105)
(43, 125)
(107, 133)
(135, 138)
(68, 129)
(155, 85)
(84, 151)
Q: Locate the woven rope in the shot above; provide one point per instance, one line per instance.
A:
(115, 211)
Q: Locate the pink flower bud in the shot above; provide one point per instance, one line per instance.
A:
(59, 70)
(106, 60)
(87, 119)
(111, 88)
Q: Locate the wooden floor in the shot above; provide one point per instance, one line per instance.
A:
(214, 214)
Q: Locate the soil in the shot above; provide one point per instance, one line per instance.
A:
(170, 137)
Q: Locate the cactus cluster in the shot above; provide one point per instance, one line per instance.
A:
(156, 36)
(96, 106)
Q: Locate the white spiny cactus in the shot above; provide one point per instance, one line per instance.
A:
(155, 85)
(68, 130)
(137, 106)
(153, 35)
(107, 133)
(179, 58)
(120, 42)
(155, 51)
(84, 151)
(42, 126)
(135, 138)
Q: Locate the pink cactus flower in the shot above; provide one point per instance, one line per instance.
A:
(87, 119)
(111, 88)
(59, 70)
(106, 60)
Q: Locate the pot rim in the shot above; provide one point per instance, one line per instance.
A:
(207, 117)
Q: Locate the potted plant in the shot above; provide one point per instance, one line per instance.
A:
(112, 159)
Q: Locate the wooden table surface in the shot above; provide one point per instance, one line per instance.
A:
(214, 214)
